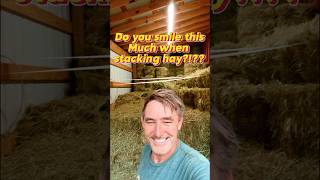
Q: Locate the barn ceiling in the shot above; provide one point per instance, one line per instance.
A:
(150, 17)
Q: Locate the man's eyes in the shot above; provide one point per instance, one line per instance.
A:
(150, 121)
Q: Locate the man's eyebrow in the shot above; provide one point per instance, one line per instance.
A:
(148, 119)
(167, 118)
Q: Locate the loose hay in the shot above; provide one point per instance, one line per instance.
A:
(256, 163)
(255, 22)
(293, 114)
(64, 139)
(297, 64)
(149, 71)
(161, 72)
(202, 81)
(200, 97)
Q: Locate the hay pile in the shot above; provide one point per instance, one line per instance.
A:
(126, 134)
(202, 79)
(161, 72)
(149, 72)
(289, 111)
(196, 98)
(256, 163)
(257, 22)
(297, 64)
(96, 43)
(64, 139)
(273, 97)
(194, 92)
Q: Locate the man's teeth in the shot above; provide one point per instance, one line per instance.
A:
(160, 140)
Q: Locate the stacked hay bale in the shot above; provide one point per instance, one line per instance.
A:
(273, 96)
(258, 22)
(149, 72)
(56, 140)
(94, 82)
(161, 72)
(187, 69)
(258, 163)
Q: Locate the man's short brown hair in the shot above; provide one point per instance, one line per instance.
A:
(166, 97)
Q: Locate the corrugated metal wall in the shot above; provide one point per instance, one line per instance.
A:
(118, 75)
(27, 42)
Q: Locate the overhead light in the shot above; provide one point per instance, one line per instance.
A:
(170, 15)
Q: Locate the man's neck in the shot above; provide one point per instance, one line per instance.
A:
(156, 158)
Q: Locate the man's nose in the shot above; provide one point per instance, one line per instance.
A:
(158, 130)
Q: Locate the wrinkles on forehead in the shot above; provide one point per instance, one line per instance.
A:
(165, 105)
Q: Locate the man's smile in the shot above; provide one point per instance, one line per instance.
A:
(160, 141)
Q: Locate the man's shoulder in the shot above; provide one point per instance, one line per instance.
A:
(198, 164)
(192, 154)
(193, 157)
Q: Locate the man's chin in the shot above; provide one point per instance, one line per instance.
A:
(159, 151)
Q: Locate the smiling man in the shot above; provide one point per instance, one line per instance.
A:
(165, 156)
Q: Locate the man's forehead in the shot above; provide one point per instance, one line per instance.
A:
(159, 107)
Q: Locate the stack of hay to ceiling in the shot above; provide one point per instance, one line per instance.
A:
(96, 24)
(150, 72)
(274, 93)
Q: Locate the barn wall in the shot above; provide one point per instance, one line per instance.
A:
(26, 42)
(118, 75)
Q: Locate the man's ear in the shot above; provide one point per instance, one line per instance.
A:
(180, 122)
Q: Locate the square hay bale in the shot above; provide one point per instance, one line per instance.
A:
(287, 114)
(71, 130)
(201, 79)
(296, 64)
(149, 71)
(161, 72)
(91, 82)
(257, 22)
(196, 98)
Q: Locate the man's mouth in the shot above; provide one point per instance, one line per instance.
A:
(160, 140)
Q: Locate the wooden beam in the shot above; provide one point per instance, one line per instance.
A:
(158, 4)
(121, 66)
(119, 3)
(204, 29)
(117, 49)
(78, 30)
(119, 85)
(163, 23)
(195, 27)
(180, 27)
(43, 77)
(38, 15)
(183, 7)
(134, 70)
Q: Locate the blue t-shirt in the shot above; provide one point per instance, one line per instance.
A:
(185, 164)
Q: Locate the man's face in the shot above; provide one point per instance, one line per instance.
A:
(161, 126)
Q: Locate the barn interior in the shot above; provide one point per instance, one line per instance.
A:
(52, 124)
(269, 87)
(127, 98)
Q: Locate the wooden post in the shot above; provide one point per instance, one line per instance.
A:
(77, 18)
